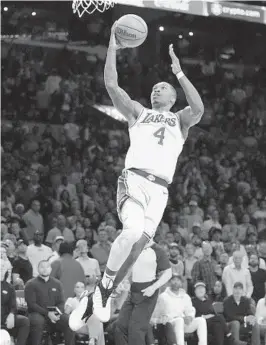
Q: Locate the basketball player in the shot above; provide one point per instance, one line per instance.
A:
(156, 140)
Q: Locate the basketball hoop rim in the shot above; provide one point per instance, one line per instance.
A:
(90, 6)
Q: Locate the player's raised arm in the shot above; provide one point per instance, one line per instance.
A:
(190, 115)
(121, 100)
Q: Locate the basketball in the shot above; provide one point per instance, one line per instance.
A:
(131, 31)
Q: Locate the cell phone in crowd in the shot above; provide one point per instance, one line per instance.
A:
(55, 310)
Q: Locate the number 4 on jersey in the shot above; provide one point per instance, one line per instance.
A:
(160, 135)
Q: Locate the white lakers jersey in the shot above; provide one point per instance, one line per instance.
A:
(156, 141)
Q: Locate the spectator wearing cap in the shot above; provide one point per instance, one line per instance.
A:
(16, 325)
(67, 269)
(216, 324)
(204, 269)
(236, 273)
(133, 321)
(176, 264)
(22, 268)
(174, 307)
(258, 277)
(60, 230)
(90, 266)
(40, 293)
(5, 263)
(239, 314)
(55, 255)
(194, 215)
(33, 219)
(37, 252)
(100, 250)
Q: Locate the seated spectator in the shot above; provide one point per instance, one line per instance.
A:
(189, 262)
(67, 269)
(37, 252)
(174, 306)
(5, 263)
(93, 326)
(56, 245)
(60, 230)
(90, 266)
(100, 251)
(204, 269)
(219, 292)
(33, 220)
(17, 325)
(238, 313)
(216, 324)
(22, 268)
(261, 315)
(176, 264)
(43, 292)
(215, 236)
(258, 277)
(65, 185)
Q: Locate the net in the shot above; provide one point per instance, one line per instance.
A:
(90, 6)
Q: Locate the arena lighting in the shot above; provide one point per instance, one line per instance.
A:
(161, 28)
(33, 13)
(5, 9)
(190, 33)
(180, 36)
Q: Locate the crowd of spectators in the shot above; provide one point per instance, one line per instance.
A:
(60, 164)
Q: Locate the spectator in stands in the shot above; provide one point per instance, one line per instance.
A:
(194, 216)
(57, 209)
(65, 185)
(213, 222)
(204, 269)
(90, 266)
(37, 252)
(60, 230)
(239, 314)
(33, 219)
(16, 325)
(67, 269)
(56, 245)
(176, 264)
(22, 268)
(261, 315)
(100, 251)
(93, 326)
(219, 292)
(189, 261)
(65, 201)
(5, 263)
(258, 277)
(40, 293)
(216, 324)
(236, 273)
(174, 306)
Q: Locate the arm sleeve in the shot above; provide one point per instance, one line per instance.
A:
(30, 298)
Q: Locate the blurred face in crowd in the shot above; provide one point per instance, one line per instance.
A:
(206, 248)
(176, 284)
(196, 240)
(174, 252)
(216, 236)
(111, 233)
(65, 195)
(163, 94)
(22, 248)
(237, 259)
(15, 228)
(254, 260)
(169, 237)
(80, 233)
(228, 208)
(82, 247)
(57, 207)
(200, 292)
(238, 292)
(38, 238)
(215, 216)
(196, 230)
(36, 206)
(103, 236)
(190, 249)
(61, 222)
(246, 219)
(64, 181)
(218, 287)
(79, 288)
(224, 258)
(182, 222)
(44, 269)
(231, 219)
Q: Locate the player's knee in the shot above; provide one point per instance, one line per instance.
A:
(129, 236)
(132, 216)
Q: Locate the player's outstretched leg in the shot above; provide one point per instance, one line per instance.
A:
(81, 314)
(132, 216)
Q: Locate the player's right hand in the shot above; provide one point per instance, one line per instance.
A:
(114, 43)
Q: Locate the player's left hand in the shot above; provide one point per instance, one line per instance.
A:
(175, 61)
(149, 291)
(114, 43)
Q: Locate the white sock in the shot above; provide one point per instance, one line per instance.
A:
(108, 281)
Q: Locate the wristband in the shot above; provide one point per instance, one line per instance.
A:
(179, 75)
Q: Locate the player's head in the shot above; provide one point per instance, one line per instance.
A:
(163, 94)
